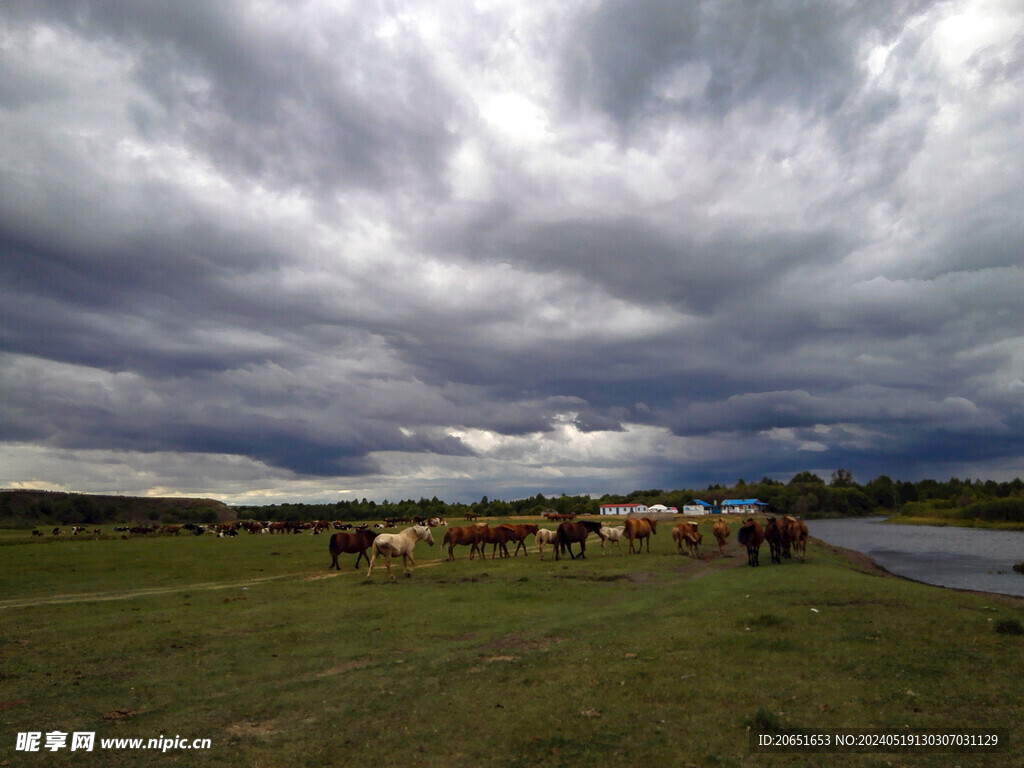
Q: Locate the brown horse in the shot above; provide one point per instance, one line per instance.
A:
(775, 536)
(795, 537)
(569, 533)
(689, 534)
(751, 536)
(464, 535)
(641, 528)
(350, 543)
(499, 536)
(721, 531)
(519, 534)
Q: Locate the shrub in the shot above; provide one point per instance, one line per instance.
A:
(1010, 627)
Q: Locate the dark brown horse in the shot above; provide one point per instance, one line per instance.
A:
(519, 534)
(350, 543)
(570, 533)
(499, 536)
(776, 538)
(464, 535)
(751, 536)
(640, 528)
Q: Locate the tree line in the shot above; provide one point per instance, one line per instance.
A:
(806, 495)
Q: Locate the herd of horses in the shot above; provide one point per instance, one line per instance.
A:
(786, 537)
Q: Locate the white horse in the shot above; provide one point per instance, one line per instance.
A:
(612, 534)
(403, 543)
(544, 536)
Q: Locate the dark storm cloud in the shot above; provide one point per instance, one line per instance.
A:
(262, 97)
(558, 247)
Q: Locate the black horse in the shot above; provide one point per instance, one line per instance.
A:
(569, 533)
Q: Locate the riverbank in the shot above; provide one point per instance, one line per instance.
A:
(943, 522)
(864, 564)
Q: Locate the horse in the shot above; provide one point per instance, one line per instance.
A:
(519, 534)
(499, 536)
(612, 534)
(402, 543)
(463, 535)
(796, 536)
(775, 536)
(640, 528)
(721, 531)
(687, 532)
(569, 532)
(545, 536)
(350, 543)
(750, 536)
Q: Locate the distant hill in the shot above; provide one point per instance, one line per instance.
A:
(33, 507)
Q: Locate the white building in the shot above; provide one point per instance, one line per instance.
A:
(743, 506)
(623, 509)
(698, 507)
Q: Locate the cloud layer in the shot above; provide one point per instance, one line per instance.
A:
(263, 251)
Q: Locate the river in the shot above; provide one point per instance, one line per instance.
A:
(964, 558)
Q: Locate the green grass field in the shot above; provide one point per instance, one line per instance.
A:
(651, 660)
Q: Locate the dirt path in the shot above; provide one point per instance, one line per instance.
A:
(129, 594)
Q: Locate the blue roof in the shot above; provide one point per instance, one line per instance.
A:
(702, 503)
(742, 502)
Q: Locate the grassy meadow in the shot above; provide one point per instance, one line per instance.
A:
(617, 660)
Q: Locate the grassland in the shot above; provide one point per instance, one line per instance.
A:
(655, 660)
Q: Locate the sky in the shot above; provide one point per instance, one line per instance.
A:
(310, 251)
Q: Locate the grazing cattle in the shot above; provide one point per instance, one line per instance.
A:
(57, 532)
(545, 536)
(796, 536)
(612, 534)
(402, 543)
(77, 529)
(519, 534)
(640, 528)
(499, 536)
(170, 530)
(569, 533)
(721, 531)
(350, 543)
(687, 533)
(463, 535)
(750, 536)
(774, 536)
(37, 533)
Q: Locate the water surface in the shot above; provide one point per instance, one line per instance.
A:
(965, 558)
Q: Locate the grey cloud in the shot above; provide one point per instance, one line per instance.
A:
(802, 54)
